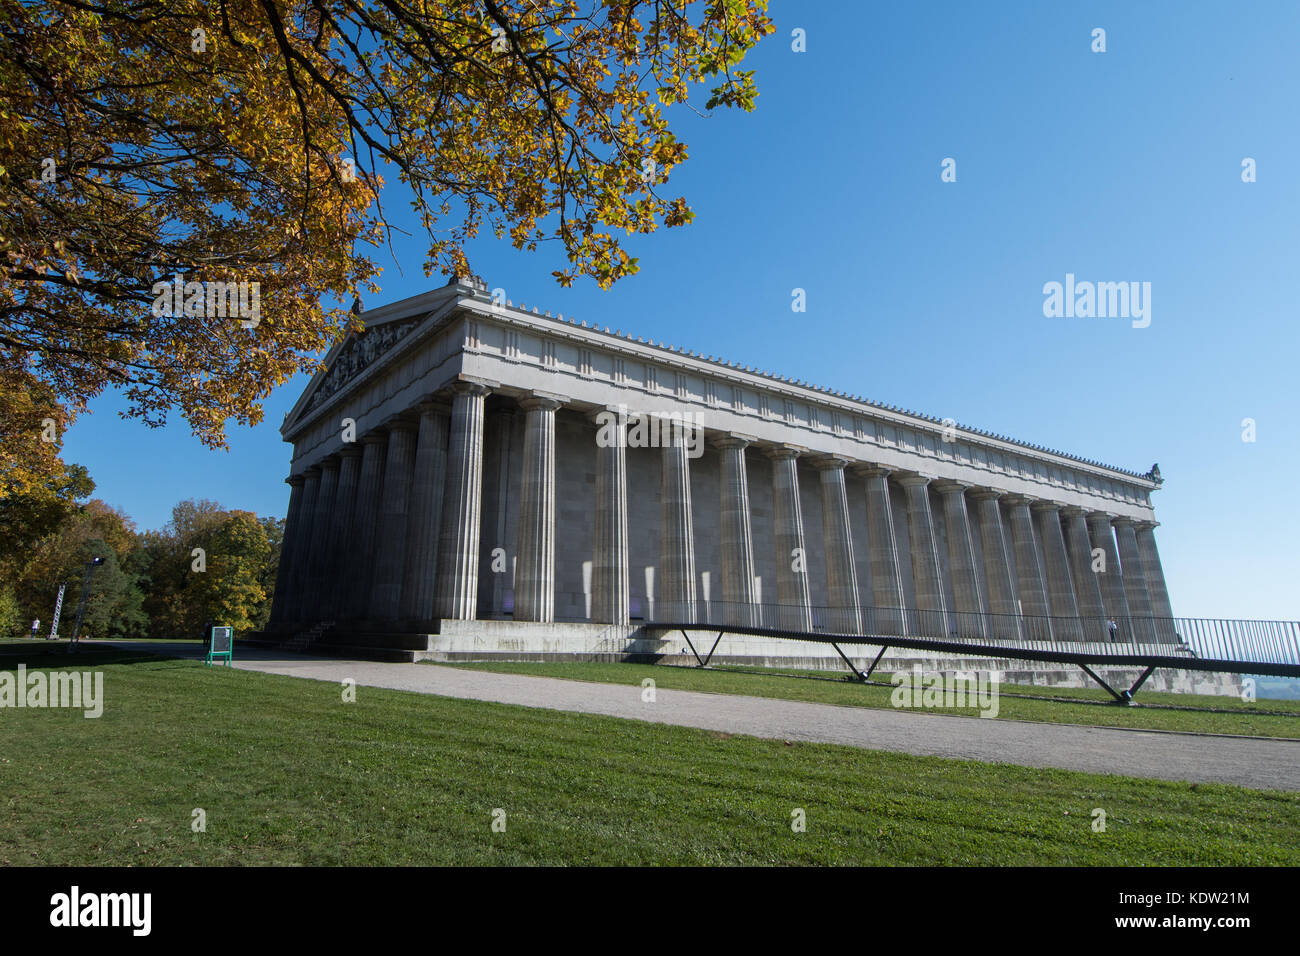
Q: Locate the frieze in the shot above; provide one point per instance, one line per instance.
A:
(359, 352)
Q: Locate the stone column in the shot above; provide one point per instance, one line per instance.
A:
(1001, 591)
(1056, 563)
(676, 529)
(1087, 588)
(967, 590)
(927, 572)
(1161, 608)
(845, 615)
(535, 566)
(370, 485)
(281, 598)
(792, 592)
(737, 535)
(1102, 536)
(299, 581)
(333, 583)
(1135, 582)
(1029, 571)
(887, 592)
(430, 472)
(456, 590)
(322, 528)
(394, 523)
(610, 589)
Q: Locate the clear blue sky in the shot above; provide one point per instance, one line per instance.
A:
(1115, 167)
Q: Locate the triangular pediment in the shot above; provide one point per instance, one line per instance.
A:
(387, 330)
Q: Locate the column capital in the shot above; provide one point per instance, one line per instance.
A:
(350, 450)
(474, 386)
(1040, 506)
(784, 452)
(376, 437)
(979, 493)
(1072, 511)
(1147, 524)
(911, 479)
(1105, 516)
(828, 463)
(728, 440)
(432, 405)
(1122, 522)
(541, 401)
(297, 481)
(870, 470)
(402, 423)
(948, 486)
(1017, 500)
(620, 412)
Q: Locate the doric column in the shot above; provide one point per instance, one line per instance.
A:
(370, 485)
(456, 594)
(1056, 563)
(887, 592)
(282, 597)
(927, 571)
(967, 591)
(322, 529)
(1154, 573)
(792, 591)
(1001, 590)
(1087, 587)
(334, 581)
(299, 581)
(676, 528)
(394, 522)
(427, 482)
(1102, 535)
(1029, 571)
(535, 567)
(1135, 581)
(610, 590)
(737, 535)
(845, 615)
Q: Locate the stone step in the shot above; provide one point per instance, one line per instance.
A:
(403, 641)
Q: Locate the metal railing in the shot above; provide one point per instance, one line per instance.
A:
(1239, 641)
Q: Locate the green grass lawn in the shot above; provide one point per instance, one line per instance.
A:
(289, 774)
(1232, 717)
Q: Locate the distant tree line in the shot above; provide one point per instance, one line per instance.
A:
(207, 564)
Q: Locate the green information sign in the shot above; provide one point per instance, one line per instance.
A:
(221, 644)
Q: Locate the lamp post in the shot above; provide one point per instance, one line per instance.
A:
(81, 605)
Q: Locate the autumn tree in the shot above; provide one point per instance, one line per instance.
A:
(147, 142)
(38, 490)
(210, 564)
(115, 606)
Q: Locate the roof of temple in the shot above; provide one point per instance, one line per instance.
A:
(479, 289)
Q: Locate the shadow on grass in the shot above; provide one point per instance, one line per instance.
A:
(54, 655)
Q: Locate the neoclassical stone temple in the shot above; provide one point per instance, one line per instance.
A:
(465, 461)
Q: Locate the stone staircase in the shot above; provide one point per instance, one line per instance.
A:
(612, 643)
(304, 642)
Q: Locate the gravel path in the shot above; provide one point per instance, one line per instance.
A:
(1245, 761)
